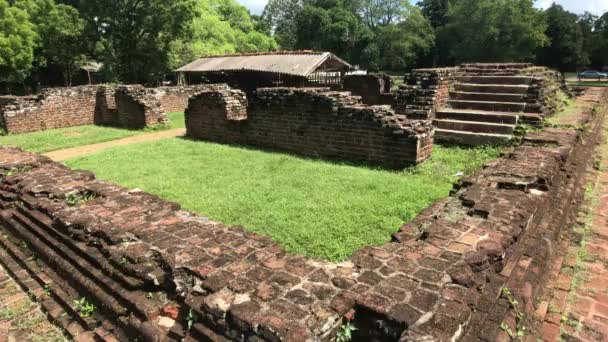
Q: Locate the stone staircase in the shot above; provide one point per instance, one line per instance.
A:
(486, 104)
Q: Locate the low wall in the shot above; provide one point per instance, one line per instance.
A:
(424, 92)
(175, 99)
(137, 108)
(150, 268)
(124, 106)
(52, 108)
(374, 89)
(311, 122)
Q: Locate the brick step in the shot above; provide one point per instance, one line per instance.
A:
(471, 138)
(92, 255)
(491, 88)
(129, 311)
(477, 115)
(474, 126)
(496, 97)
(511, 80)
(488, 105)
(496, 66)
(54, 301)
(117, 298)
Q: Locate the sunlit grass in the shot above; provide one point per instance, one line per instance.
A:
(313, 207)
(56, 139)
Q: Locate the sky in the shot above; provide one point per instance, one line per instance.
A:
(597, 7)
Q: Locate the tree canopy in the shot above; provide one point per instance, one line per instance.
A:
(142, 41)
(17, 42)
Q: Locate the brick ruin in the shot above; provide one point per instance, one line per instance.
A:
(312, 122)
(374, 89)
(156, 272)
(133, 107)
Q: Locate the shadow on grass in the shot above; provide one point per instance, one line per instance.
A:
(344, 162)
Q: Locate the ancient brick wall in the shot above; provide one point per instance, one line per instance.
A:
(138, 108)
(123, 106)
(52, 108)
(312, 122)
(424, 92)
(106, 112)
(175, 99)
(374, 89)
(149, 267)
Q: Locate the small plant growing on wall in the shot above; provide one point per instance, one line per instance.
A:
(84, 307)
(346, 333)
(79, 198)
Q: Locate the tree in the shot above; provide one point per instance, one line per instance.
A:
(279, 16)
(378, 13)
(134, 36)
(566, 48)
(436, 11)
(17, 42)
(331, 25)
(219, 27)
(600, 53)
(493, 31)
(403, 44)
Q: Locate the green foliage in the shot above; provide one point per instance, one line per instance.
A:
(17, 42)
(79, 198)
(493, 31)
(60, 138)
(134, 37)
(566, 48)
(279, 17)
(191, 319)
(402, 44)
(219, 27)
(312, 207)
(84, 307)
(346, 333)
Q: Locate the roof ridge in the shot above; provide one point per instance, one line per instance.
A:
(266, 53)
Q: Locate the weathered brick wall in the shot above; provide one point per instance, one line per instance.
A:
(52, 108)
(65, 107)
(424, 92)
(547, 91)
(374, 89)
(312, 122)
(175, 99)
(441, 278)
(138, 108)
(106, 112)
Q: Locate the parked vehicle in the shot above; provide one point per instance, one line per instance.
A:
(593, 74)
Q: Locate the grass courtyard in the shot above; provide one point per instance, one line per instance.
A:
(56, 139)
(313, 207)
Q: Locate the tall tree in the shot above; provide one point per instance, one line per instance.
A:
(378, 13)
(436, 11)
(219, 26)
(493, 31)
(17, 42)
(280, 17)
(403, 44)
(600, 53)
(566, 48)
(332, 25)
(135, 35)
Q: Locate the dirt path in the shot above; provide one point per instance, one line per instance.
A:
(79, 151)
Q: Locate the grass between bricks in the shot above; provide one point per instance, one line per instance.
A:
(313, 207)
(57, 139)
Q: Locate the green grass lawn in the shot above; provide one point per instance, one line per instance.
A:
(588, 83)
(56, 139)
(313, 207)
